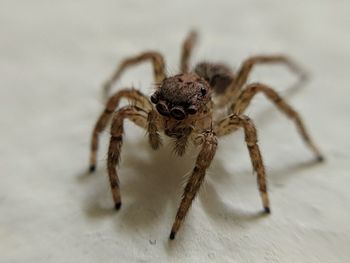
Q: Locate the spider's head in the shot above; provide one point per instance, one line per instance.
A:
(181, 95)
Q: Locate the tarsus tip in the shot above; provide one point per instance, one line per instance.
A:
(117, 206)
(172, 235)
(92, 168)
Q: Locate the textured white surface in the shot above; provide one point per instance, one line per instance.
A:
(54, 57)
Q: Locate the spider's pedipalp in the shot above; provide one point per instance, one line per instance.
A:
(153, 131)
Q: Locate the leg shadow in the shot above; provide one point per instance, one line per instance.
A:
(218, 210)
(150, 182)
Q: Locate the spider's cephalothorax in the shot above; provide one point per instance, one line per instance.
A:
(181, 95)
(182, 106)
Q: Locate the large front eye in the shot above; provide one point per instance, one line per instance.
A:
(162, 108)
(178, 113)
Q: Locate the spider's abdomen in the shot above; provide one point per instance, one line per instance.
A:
(219, 76)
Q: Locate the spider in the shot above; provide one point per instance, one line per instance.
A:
(198, 106)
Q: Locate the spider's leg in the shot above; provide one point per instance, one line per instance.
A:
(136, 98)
(158, 68)
(247, 95)
(231, 124)
(137, 116)
(186, 51)
(203, 161)
(243, 73)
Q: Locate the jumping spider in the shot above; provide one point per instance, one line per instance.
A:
(188, 106)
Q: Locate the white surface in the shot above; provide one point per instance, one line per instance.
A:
(54, 57)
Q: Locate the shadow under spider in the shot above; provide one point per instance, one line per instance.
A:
(216, 208)
(280, 175)
(151, 181)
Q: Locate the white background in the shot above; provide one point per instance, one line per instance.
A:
(54, 56)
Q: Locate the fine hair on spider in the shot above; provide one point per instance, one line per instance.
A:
(186, 107)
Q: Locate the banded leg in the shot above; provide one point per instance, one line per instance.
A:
(135, 97)
(153, 56)
(153, 132)
(137, 116)
(203, 161)
(231, 124)
(243, 73)
(186, 51)
(247, 95)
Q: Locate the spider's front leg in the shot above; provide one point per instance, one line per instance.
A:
(139, 117)
(209, 145)
(136, 98)
(158, 64)
(233, 123)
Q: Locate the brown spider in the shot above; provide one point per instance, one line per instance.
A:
(189, 106)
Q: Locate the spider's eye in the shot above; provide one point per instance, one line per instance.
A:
(192, 110)
(154, 98)
(203, 91)
(178, 113)
(162, 109)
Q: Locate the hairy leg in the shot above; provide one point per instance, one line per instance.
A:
(248, 94)
(231, 124)
(181, 142)
(186, 51)
(136, 98)
(158, 68)
(209, 145)
(243, 73)
(137, 116)
(152, 129)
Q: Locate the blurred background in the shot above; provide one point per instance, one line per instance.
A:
(54, 58)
